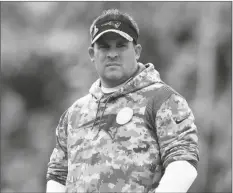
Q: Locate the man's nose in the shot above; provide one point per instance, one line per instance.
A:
(112, 54)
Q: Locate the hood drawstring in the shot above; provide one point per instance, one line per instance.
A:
(105, 105)
(98, 107)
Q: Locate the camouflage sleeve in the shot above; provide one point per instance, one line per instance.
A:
(176, 131)
(58, 164)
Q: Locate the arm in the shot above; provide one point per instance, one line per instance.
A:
(177, 137)
(178, 177)
(58, 164)
(53, 186)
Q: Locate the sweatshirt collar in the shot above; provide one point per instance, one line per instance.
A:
(147, 75)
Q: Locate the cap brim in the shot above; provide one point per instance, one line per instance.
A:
(123, 34)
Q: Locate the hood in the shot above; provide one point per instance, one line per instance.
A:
(147, 76)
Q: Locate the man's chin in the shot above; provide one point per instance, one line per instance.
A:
(113, 76)
(116, 80)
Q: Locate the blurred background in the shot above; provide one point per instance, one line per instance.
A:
(45, 67)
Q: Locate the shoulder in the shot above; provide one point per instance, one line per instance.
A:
(79, 103)
(74, 109)
(158, 94)
(166, 104)
(176, 107)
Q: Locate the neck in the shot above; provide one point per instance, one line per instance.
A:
(113, 84)
(112, 89)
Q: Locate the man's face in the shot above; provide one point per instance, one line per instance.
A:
(115, 58)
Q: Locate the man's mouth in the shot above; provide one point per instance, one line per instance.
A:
(112, 64)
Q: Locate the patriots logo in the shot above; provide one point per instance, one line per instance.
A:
(115, 24)
(95, 30)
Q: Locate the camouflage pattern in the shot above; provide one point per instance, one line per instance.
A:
(94, 153)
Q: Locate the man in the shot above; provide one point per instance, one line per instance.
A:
(132, 132)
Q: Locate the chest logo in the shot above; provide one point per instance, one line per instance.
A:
(124, 115)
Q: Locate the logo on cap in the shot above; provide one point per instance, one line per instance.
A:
(115, 24)
(95, 30)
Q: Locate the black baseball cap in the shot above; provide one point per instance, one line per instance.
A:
(114, 21)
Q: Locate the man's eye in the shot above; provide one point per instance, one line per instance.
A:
(121, 45)
(103, 46)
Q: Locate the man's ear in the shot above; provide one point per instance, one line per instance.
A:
(138, 49)
(91, 53)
